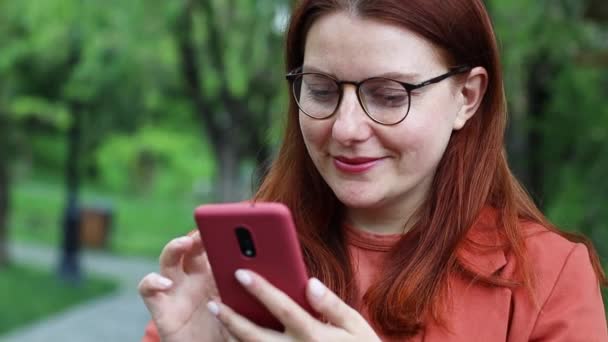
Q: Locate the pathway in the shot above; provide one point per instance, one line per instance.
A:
(120, 316)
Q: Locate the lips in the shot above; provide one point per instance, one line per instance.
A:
(355, 165)
(359, 160)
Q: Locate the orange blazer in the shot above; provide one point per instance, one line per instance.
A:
(567, 306)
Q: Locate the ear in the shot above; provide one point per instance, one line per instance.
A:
(472, 92)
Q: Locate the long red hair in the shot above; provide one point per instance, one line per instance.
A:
(472, 174)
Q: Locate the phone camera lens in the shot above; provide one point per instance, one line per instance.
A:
(245, 241)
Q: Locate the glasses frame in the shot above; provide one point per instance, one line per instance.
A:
(409, 87)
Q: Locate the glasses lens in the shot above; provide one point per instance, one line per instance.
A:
(386, 101)
(317, 95)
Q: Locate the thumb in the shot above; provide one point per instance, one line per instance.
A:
(334, 309)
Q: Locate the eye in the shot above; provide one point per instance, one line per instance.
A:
(390, 98)
(319, 88)
(385, 93)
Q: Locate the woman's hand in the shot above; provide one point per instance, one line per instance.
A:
(346, 324)
(177, 297)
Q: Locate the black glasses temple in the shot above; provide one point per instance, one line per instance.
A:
(452, 71)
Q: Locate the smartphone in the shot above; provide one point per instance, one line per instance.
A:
(259, 236)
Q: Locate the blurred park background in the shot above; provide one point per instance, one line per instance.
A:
(119, 117)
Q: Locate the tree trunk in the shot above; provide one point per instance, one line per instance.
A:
(597, 10)
(539, 80)
(228, 187)
(4, 190)
(263, 159)
(69, 266)
(4, 210)
(517, 144)
(227, 121)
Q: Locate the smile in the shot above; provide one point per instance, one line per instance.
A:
(355, 165)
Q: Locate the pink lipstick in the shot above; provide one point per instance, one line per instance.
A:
(355, 165)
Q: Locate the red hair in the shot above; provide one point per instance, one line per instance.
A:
(472, 174)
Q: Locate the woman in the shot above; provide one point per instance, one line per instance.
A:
(393, 166)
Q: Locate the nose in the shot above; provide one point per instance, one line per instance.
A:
(351, 123)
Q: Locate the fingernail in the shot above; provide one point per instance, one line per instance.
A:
(213, 308)
(243, 277)
(164, 282)
(317, 289)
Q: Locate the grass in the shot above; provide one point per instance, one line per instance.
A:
(141, 225)
(29, 294)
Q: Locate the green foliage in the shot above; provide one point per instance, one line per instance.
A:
(51, 114)
(46, 152)
(142, 225)
(31, 294)
(577, 148)
(573, 124)
(118, 65)
(154, 160)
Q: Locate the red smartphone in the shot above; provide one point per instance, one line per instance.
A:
(259, 236)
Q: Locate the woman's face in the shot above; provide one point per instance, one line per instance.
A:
(368, 165)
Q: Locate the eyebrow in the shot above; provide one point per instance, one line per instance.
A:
(400, 76)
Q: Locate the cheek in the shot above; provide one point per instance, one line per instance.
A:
(435, 120)
(314, 132)
(422, 139)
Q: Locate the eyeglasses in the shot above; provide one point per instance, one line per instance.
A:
(384, 100)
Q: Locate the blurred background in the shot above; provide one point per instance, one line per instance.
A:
(117, 118)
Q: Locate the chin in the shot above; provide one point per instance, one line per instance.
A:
(360, 200)
(355, 194)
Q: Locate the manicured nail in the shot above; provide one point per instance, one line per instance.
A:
(243, 277)
(317, 289)
(213, 308)
(164, 282)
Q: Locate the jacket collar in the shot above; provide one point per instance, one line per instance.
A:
(483, 250)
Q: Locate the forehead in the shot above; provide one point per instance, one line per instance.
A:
(351, 47)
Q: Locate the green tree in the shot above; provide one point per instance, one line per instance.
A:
(121, 66)
(59, 55)
(556, 85)
(229, 59)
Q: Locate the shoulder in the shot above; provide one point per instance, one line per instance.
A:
(549, 255)
(547, 247)
(487, 251)
(567, 302)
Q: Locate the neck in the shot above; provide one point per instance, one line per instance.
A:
(396, 219)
